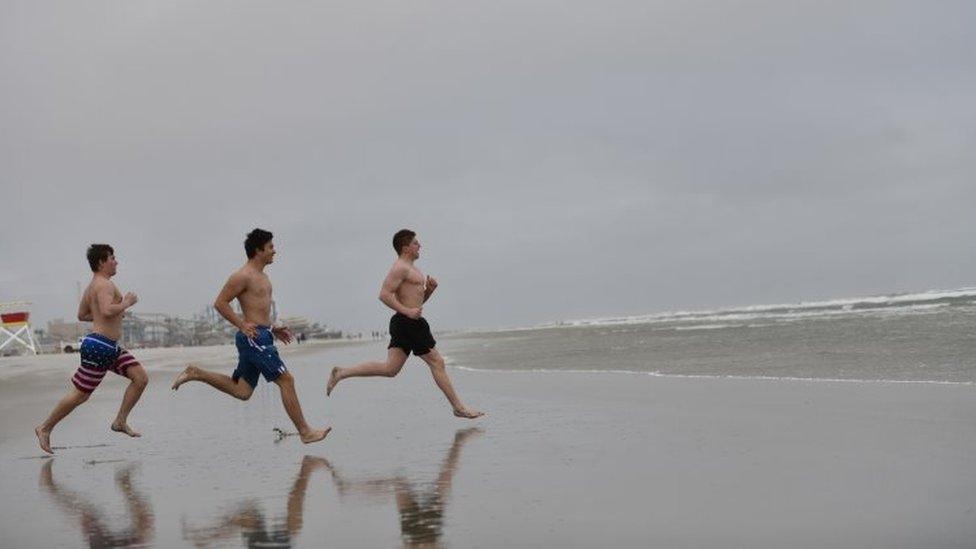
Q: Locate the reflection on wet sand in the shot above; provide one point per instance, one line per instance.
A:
(421, 505)
(92, 521)
(249, 522)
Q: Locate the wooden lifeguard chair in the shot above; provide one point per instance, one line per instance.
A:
(15, 326)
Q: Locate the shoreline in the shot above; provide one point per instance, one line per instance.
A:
(719, 377)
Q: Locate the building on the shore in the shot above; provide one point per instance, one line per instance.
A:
(62, 336)
(305, 328)
(162, 330)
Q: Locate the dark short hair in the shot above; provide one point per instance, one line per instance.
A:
(97, 253)
(402, 239)
(256, 240)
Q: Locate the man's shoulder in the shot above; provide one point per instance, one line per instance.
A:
(249, 275)
(411, 269)
(99, 283)
(400, 267)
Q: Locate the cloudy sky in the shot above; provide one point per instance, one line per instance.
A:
(558, 159)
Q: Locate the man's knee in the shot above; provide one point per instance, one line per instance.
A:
(139, 380)
(436, 363)
(243, 389)
(285, 379)
(392, 369)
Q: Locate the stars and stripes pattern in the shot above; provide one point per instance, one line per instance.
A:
(99, 355)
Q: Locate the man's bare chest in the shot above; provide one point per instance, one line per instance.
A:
(415, 278)
(258, 289)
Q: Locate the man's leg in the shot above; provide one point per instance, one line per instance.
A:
(238, 389)
(289, 398)
(437, 369)
(61, 409)
(296, 498)
(138, 506)
(395, 358)
(137, 384)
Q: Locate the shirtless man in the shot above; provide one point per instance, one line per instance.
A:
(405, 290)
(256, 351)
(102, 304)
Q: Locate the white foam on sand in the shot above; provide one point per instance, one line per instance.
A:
(713, 376)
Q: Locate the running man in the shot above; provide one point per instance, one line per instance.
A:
(405, 290)
(256, 350)
(103, 305)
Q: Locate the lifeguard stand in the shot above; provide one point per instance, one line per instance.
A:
(15, 326)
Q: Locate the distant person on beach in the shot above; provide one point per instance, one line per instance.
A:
(256, 351)
(405, 290)
(103, 305)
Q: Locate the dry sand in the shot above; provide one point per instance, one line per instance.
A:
(561, 460)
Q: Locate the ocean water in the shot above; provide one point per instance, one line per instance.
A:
(925, 337)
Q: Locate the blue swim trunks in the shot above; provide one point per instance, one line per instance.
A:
(257, 356)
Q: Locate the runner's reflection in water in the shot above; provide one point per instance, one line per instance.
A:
(421, 506)
(249, 521)
(92, 520)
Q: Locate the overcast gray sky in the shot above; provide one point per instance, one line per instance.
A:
(558, 159)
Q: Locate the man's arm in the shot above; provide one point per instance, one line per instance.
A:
(283, 333)
(105, 294)
(388, 296)
(234, 287)
(431, 286)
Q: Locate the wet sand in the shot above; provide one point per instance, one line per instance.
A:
(560, 460)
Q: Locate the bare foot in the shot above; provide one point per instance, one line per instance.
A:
(44, 439)
(314, 435)
(468, 413)
(124, 428)
(315, 462)
(463, 434)
(333, 381)
(185, 375)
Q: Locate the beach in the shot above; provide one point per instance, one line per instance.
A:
(561, 459)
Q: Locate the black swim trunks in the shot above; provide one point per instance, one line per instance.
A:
(411, 335)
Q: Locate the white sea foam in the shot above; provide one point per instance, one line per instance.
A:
(708, 327)
(715, 376)
(885, 305)
(897, 304)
